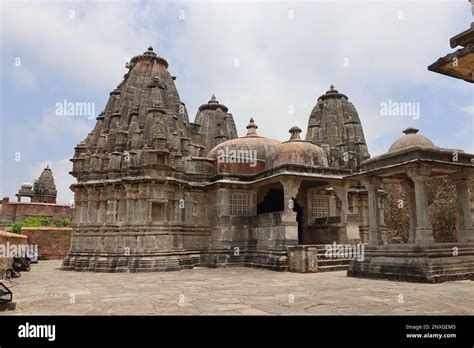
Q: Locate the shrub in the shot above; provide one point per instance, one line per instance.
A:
(66, 222)
(30, 221)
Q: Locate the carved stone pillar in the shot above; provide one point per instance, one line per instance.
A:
(92, 205)
(290, 191)
(129, 203)
(341, 193)
(465, 229)
(111, 205)
(102, 206)
(373, 186)
(364, 217)
(409, 189)
(424, 230)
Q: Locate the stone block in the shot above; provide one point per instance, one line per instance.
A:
(430, 263)
(302, 259)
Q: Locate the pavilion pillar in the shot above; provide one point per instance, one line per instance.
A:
(341, 193)
(424, 229)
(91, 205)
(465, 231)
(290, 191)
(373, 186)
(409, 189)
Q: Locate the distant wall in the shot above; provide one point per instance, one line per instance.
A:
(13, 211)
(52, 242)
(7, 240)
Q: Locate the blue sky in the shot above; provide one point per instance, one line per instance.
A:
(288, 54)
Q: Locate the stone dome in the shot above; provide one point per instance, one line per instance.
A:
(411, 139)
(297, 151)
(26, 186)
(244, 155)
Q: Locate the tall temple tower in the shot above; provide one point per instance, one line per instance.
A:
(217, 124)
(140, 174)
(334, 125)
(144, 121)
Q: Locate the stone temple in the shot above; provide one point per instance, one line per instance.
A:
(156, 192)
(42, 191)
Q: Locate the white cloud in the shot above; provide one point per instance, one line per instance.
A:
(287, 61)
(468, 109)
(50, 129)
(23, 77)
(89, 49)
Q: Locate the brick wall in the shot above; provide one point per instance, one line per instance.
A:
(13, 211)
(52, 242)
(8, 239)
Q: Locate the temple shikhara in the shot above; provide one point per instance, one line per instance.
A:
(157, 192)
(42, 191)
(37, 199)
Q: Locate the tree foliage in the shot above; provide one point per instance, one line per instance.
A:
(37, 221)
(442, 208)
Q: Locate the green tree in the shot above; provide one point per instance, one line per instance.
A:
(441, 205)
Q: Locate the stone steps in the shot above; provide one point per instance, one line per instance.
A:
(333, 268)
(326, 264)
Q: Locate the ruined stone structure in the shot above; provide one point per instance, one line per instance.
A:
(412, 161)
(157, 192)
(43, 190)
(460, 63)
(42, 195)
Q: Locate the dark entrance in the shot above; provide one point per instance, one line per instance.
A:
(299, 219)
(272, 202)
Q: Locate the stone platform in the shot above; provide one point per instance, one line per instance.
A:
(430, 263)
(234, 291)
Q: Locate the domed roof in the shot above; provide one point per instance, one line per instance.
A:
(244, 155)
(297, 151)
(26, 186)
(411, 139)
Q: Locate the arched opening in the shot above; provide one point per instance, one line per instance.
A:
(272, 200)
(25, 199)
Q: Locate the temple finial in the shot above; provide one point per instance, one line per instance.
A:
(295, 133)
(251, 128)
(411, 130)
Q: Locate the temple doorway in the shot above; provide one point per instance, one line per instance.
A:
(299, 219)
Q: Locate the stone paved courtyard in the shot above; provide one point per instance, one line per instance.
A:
(230, 291)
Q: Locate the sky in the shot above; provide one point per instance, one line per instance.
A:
(269, 60)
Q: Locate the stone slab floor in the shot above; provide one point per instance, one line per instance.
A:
(229, 291)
